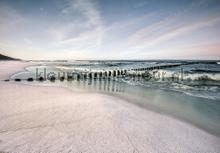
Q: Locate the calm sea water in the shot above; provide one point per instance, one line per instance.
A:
(189, 92)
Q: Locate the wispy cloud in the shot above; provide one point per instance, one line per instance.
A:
(153, 35)
(206, 51)
(78, 27)
(175, 26)
(9, 19)
(88, 30)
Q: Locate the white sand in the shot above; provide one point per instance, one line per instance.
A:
(51, 120)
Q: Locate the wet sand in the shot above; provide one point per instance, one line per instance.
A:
(52, 119)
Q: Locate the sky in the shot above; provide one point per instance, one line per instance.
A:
(110, 29)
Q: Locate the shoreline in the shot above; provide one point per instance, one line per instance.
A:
(130, 101)
(103, 119)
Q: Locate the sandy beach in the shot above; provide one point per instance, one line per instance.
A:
(37, 119)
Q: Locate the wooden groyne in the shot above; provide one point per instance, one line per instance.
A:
(133, 72)
(158, 67)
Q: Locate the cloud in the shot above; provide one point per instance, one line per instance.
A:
(174, 26)
(77, 29)
(89, 30)
(203, 51)
(140, 4)
(9, 18)
(78, 26)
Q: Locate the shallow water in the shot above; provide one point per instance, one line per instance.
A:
(194, 101)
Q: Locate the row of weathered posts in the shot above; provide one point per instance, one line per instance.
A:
(79, 76)
(137, 72)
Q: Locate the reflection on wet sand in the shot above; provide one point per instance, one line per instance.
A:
(103, 85)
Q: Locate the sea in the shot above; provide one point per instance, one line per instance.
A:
(188, 90)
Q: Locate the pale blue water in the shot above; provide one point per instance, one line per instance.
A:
(194, 99)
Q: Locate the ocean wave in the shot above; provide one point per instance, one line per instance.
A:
(181, 75)
(203, 77)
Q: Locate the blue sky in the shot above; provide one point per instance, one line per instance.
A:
(110, 29)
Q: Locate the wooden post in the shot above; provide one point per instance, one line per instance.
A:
(78, 77)
(100, 75)
(109, 73)
(30, 79)
(52, 78)
(40, 79)
(85, 76)
(62, 78)
(18, 80)
(118, 73)
(105, 74)
(90, 75)
(114, 73)
(122, 72)
(139, 76)
(95, 75)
